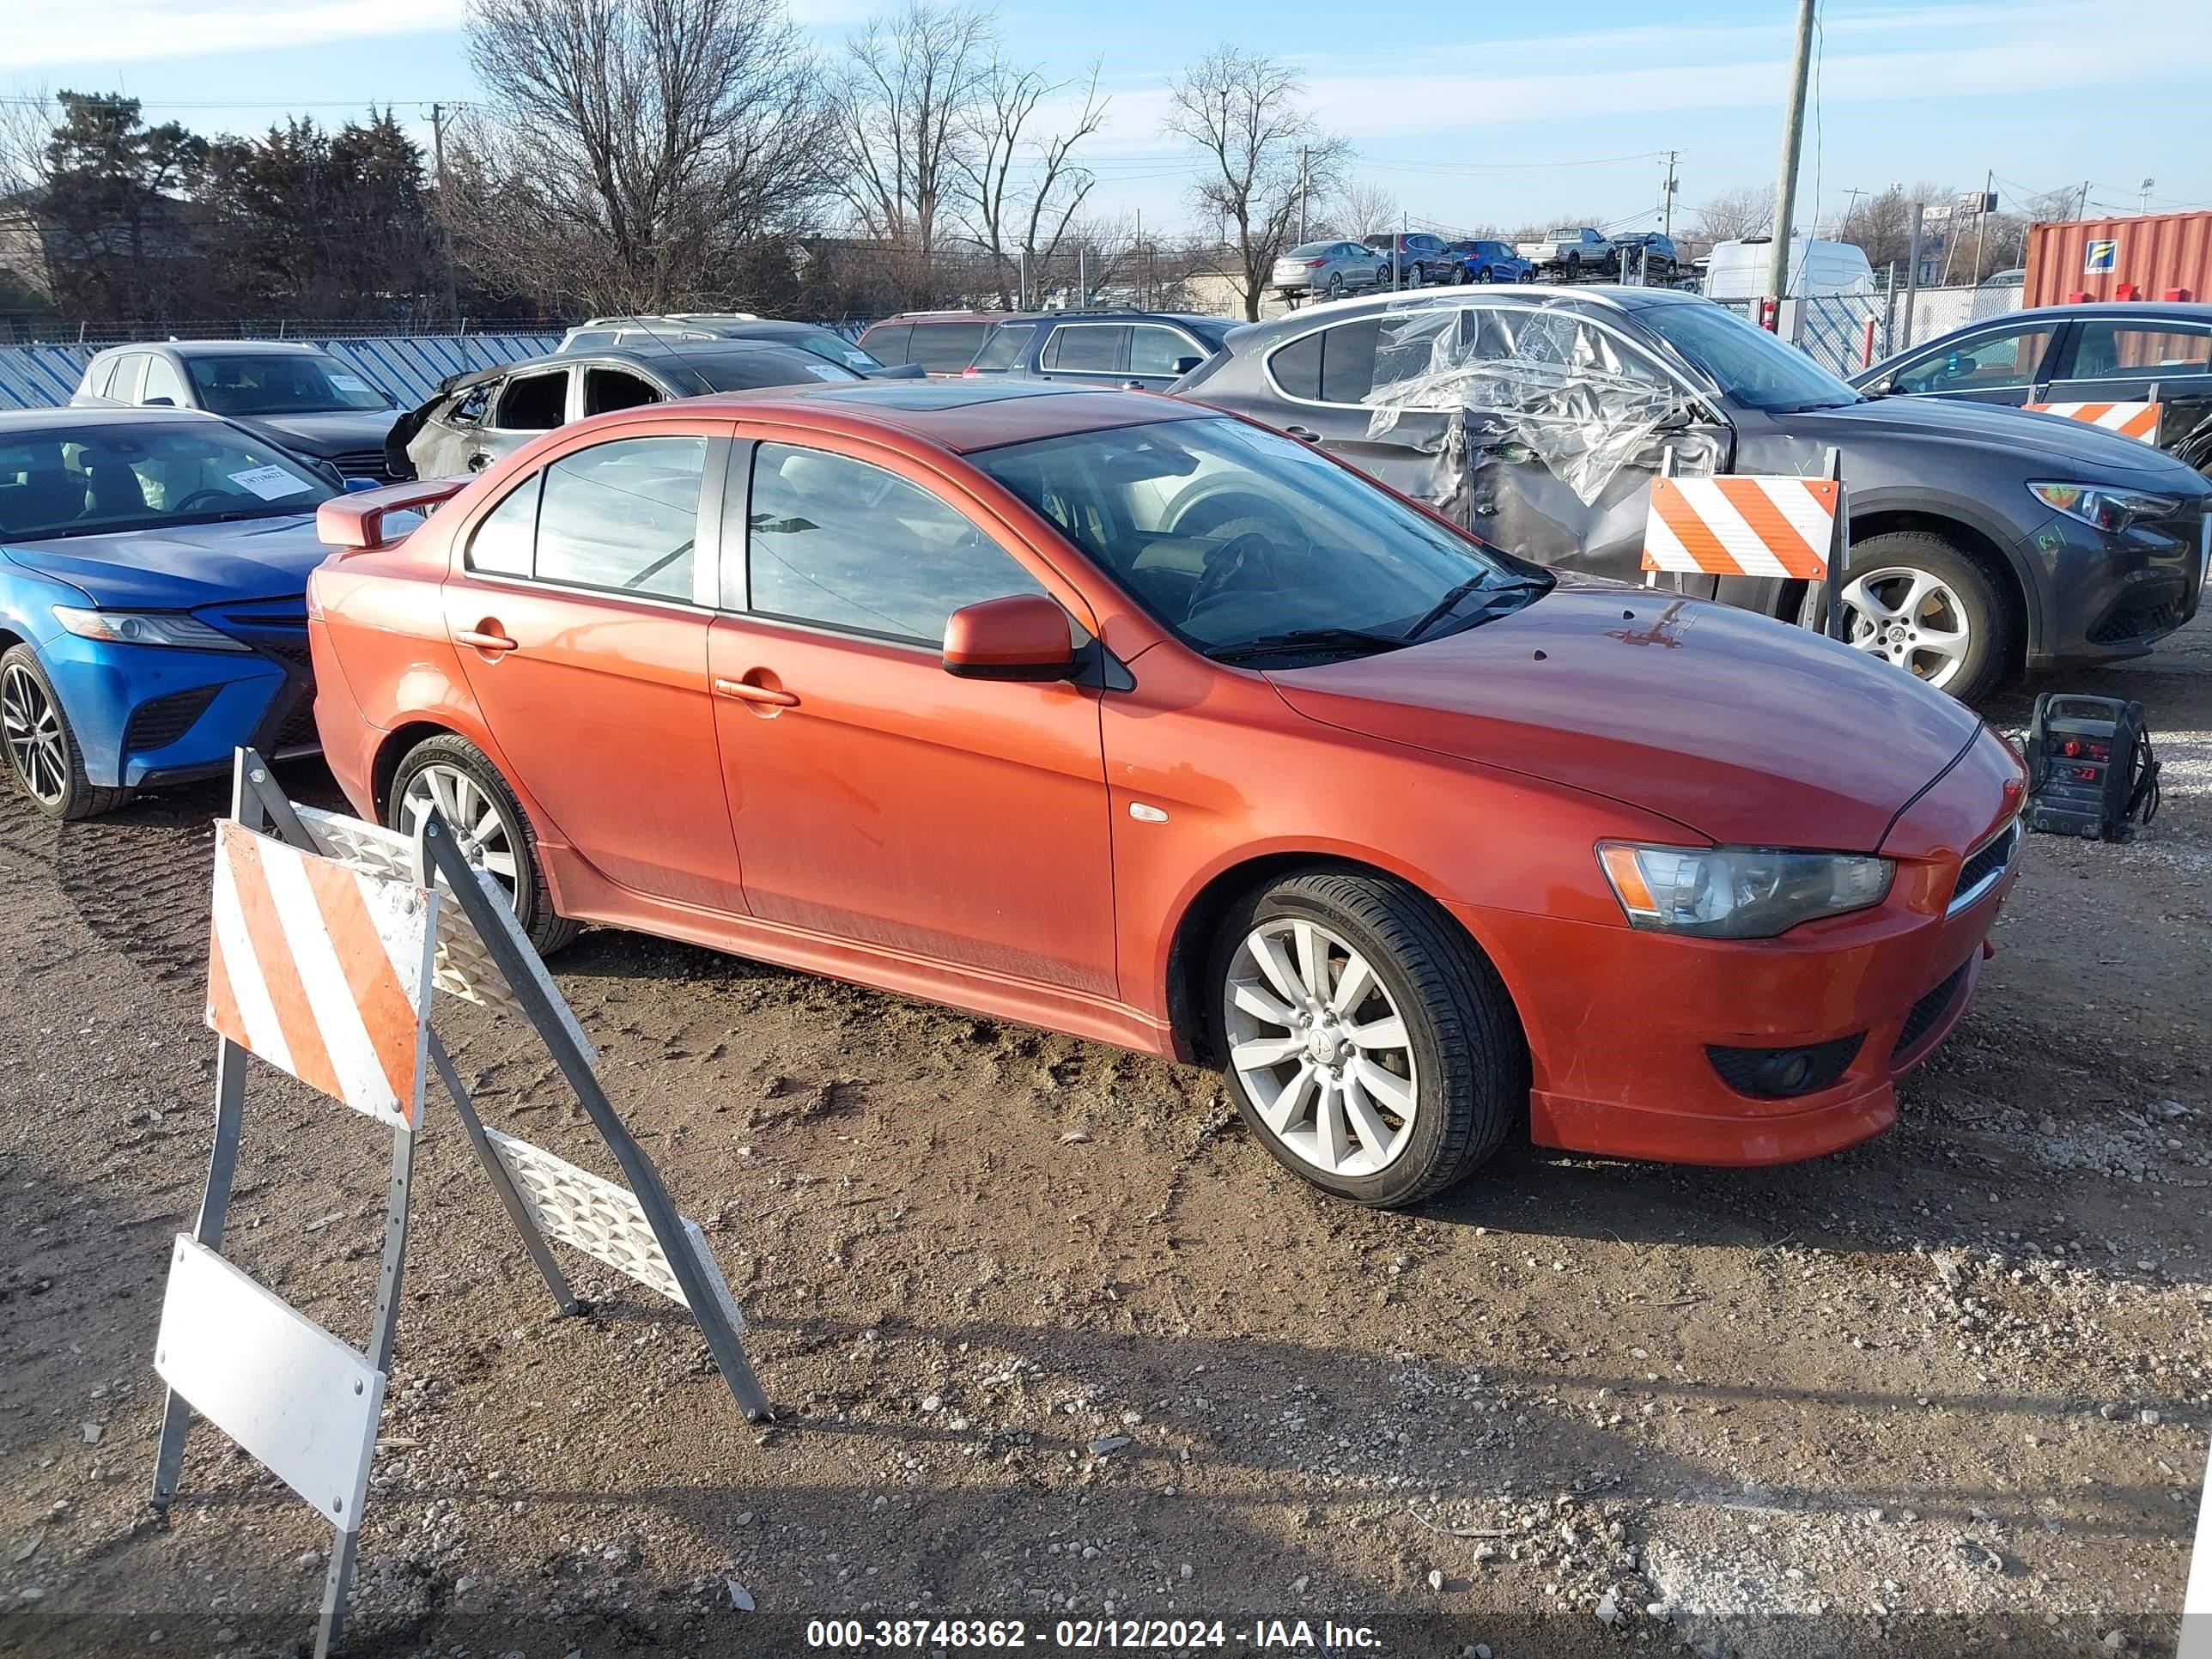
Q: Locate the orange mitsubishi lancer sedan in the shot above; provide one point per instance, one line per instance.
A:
(1116, 715)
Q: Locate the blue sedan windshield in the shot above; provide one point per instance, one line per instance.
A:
(96, 478)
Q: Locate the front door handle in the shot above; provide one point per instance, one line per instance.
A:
(745, 691)
(479, 461)
(1304, 432)
(486, 636)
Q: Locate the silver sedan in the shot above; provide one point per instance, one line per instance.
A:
(1329, 268)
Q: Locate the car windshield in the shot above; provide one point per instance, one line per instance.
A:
(828, 342)
(1251, 546)
(92, 479)
(280, 383)
(1749, 365)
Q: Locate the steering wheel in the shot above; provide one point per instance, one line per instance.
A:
(185, 505)
(1241, 563)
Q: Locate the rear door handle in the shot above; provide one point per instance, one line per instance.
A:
(745, 691)
(486, 636)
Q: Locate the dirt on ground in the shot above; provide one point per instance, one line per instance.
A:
(1051, 1339)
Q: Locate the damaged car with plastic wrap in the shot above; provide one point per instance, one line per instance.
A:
(1983, 542)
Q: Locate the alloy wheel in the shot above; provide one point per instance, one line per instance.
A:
(487, 839)
(1912, 618)
(32, 728)
(1320, 1047)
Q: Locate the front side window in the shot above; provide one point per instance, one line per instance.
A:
(2001, 361)
(280, 383)
(533, 403)
(1085, 349)
(888, 342)
(1240, 540)
(97, 478)
(1006, 346)
(1156, 350)
(842, 544)
(162, 385)
(1744, 361)
(2129, 351)
(129, 375)
(622, 516)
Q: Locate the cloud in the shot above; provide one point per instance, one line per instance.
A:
(117, 31)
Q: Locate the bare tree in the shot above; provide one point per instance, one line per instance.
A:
(904, 113)
(1363, 209)
(1023, 193)
(1746, 210)
(628, 147)
(1245, 113)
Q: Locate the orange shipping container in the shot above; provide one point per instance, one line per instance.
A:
(2152, 254)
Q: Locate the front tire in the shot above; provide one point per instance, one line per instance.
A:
(1368, 1045)
(455, 776)
(1919, 602)
(42, 749)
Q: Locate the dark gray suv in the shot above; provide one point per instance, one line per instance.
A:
(1983, 541)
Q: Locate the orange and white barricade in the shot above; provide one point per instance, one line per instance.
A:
(1790, 529)
(329, 936)
(2128, 420)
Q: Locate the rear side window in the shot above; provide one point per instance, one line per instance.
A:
(887, 343)
(533, 403)
(500, 542)
(1006, 346)
(102, 377)
(1085, 349)
(622, 516)
(2132, 351)
(946, 348)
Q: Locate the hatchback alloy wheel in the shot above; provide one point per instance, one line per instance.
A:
(1321, 1047)
(33, 732)
(1912, 618)
(487, 839)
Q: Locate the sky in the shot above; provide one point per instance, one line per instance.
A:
(1470, 114)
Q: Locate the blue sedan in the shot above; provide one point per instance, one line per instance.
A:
(153, 613)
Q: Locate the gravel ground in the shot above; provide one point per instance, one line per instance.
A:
(1051, 1338)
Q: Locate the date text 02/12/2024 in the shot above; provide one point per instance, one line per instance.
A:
(1093, 1635)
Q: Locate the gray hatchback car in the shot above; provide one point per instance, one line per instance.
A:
(1982, 540)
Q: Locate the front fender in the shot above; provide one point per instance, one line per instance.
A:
(2029, 578)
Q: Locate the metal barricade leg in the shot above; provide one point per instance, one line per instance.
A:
(533, 1240)
(215, 1212)
(700, 1292)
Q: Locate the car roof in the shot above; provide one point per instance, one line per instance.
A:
(944, 317)
(2172, 311)
(962, 416)
(32, 420)
(1583, 297)
(223, 347)
(646, 355)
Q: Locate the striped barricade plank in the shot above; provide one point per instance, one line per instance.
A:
(2128, 420)
(323, 971)
(1739, 524)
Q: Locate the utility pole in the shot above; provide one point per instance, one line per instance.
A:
(2083, 211)
(1305, 186)
(445, 207)
(1912, 274)
(2144, 206)
(1793, 138)
(1667, 202)
(1139, 250)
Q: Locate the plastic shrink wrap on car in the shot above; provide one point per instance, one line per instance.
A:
(1537, 433)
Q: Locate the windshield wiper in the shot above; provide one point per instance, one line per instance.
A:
(1305, 642)
(1443, 607)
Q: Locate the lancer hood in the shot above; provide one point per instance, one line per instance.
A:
(1745, 730)
(184, 565)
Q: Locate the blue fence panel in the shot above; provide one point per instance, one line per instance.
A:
(405, 368)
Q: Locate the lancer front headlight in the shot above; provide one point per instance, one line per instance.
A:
(146, 628)
(2104, 507)
(1737, 892)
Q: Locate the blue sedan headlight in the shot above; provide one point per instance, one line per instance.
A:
(146, 628)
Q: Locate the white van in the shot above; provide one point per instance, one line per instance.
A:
(1737, 271)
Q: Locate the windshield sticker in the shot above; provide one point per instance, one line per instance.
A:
(270, 483)
(350, 383)
(826, 371)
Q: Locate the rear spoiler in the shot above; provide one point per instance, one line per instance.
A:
(355, 521)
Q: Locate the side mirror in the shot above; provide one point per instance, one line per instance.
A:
(160, 403)
(1184, 365)
(354, 486)
(1022, 636)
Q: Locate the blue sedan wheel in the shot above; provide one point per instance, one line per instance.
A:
(41, 749)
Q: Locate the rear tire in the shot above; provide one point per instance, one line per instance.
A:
(434, 767)
(1909, 587)
(1427, 1069)
(42, 749)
